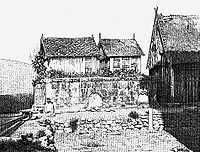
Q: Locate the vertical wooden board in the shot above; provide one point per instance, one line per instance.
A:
(83, 65)
(111, 64)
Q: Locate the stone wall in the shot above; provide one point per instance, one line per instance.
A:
(117, 124)
(70, 92)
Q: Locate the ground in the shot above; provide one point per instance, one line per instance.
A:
(128, 140)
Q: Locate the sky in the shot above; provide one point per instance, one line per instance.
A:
(23, 21)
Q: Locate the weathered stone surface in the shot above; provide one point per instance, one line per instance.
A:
(94, 101)
(67, 130)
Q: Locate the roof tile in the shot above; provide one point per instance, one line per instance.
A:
(70, 47)
(121, 47)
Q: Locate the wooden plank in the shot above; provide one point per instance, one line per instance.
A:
(111, 64)
(83, 65)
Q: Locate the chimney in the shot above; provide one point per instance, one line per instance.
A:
(99, 36)
(133, 35)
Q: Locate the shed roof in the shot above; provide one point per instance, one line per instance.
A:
(180, 39)
(180, 32)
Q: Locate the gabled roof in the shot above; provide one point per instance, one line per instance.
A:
(174, 33)
(70, 47)
(120, 47)
(179, 32)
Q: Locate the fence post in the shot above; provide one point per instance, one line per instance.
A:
(150, 119)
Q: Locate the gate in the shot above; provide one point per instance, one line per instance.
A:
(153, 84)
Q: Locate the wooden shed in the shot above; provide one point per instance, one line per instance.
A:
(174, 57)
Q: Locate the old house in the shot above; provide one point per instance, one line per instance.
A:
(174, 57)
(71, 55)
(72, 70)
(121, 54)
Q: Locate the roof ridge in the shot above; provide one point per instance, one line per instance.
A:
(178, 15)
(67, 37)
(118, 39)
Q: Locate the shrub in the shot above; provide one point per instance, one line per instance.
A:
(73, 124)
(40, 133)
(133, 114)
(23, 145)
(93, 144)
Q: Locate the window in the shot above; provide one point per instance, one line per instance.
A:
(88, 65)
(134, 64)
(116, 63)
(125, 63)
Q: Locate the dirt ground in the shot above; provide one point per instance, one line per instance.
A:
(126, 141)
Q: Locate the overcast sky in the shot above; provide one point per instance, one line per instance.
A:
(23, 21)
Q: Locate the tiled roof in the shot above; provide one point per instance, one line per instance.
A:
(180, 32)
(120, 47)
(70, 47)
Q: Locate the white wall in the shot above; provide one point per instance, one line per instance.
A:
(70, 65)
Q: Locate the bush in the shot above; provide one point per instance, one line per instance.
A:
(40, 133)
(73, 124)
(133, 115)
(23, 145)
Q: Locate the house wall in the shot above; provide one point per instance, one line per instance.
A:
(125, 63)
(76, 65)
(187, 83)
(180, 83)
